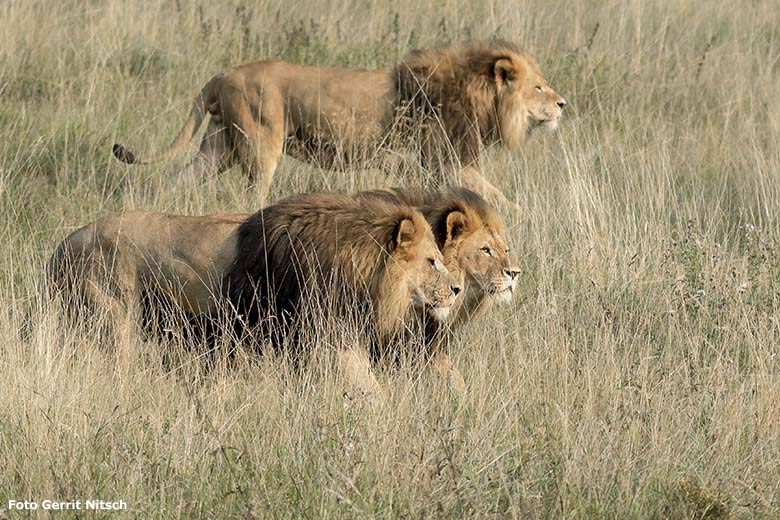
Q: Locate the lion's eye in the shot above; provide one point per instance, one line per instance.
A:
(487, 251)
(432, 261)
(507, 251)
(539, 88)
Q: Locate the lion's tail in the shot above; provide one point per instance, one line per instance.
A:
(200, 106)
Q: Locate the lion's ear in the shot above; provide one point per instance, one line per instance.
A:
(404, 234)
(504, 71)
(456, 224)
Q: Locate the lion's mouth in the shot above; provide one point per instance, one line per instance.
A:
(502, 295)
(437, 309)
(439, 313)
(550, 124)
(547, 123)
(544, 117)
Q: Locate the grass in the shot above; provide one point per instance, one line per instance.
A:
(635, 376)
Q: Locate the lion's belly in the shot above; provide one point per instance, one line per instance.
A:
(191, 288)
(348, 111)
(338, 123)
(190, 272)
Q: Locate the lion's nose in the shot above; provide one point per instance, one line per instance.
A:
(561, 103)
(512, 272)
(455, 289)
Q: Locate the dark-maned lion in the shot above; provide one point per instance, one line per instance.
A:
(472, 238)
(379, 257)
(357, 256)
(449, 102)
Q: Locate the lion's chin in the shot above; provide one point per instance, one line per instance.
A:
(502, 296)
(547, 125)
(439, 313)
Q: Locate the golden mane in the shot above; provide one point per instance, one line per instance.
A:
(457, 85)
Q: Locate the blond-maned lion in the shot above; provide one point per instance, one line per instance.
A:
(449, 103)
(472, 238)
(127, 264)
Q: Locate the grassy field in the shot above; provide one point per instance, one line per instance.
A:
(637, 374)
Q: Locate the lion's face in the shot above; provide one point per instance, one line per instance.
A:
(433, 287)
(525, 100)
(482, 255)
(545, 106)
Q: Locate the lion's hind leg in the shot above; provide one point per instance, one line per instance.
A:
(114, 294)
(266, 157)
(258, 138)
(103, 292)
(214, 157)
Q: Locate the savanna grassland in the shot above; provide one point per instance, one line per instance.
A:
(636, 375)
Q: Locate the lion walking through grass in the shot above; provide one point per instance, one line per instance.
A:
(447, 103)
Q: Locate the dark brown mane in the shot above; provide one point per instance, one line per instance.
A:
(310, 240)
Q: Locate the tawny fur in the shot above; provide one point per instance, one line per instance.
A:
(123, 261)
(449, 103)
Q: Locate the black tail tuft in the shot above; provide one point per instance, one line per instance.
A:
(123, 154)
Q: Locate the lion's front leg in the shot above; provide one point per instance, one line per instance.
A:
(443, 366)
(355, 366)
(471, 178)
(447, 155)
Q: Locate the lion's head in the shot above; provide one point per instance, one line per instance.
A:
(483, 255)
(495, 86)
(524, 98)
(417, 263)
(471, 235)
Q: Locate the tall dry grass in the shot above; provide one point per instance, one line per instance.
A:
(636, 375)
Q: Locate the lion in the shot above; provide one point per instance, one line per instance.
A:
(449, 103)
(350, 256)
(135, 265)
(377, 257)
(472, 238)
